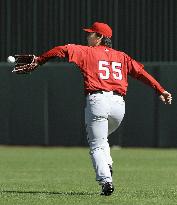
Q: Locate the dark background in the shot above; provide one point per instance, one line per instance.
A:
(145, 29)
(47, 107)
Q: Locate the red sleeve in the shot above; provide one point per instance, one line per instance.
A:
(59, 51)
(136, 70)
(77, 54)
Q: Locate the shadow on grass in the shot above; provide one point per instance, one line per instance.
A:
(71, 193)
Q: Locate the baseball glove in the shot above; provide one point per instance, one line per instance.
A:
(25, 64)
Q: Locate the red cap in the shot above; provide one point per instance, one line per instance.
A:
(100, 28)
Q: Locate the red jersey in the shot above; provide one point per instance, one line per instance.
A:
(103, 68)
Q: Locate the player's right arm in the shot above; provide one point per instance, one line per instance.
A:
(136, 70)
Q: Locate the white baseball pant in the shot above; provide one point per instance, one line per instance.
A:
(103, 115)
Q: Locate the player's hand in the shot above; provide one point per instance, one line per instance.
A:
(166, 97)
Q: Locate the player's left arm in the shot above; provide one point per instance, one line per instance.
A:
(74, 53)
(58, 51)
(137, 71)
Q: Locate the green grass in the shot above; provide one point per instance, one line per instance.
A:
(45, 176)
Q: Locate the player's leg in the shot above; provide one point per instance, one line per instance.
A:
(97, 131)
(112, 126)
(106, 149)
(97, 136)
(116, 114)
(114, 120)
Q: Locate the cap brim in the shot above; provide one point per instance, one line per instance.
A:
(88, 30)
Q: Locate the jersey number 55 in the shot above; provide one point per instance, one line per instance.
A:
(106, 66)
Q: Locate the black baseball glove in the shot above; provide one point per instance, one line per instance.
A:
(25, 64)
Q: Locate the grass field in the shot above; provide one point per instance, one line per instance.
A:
(45, 176)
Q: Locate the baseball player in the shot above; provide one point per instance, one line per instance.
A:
(105, 72)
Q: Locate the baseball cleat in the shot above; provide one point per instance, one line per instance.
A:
(107, 189)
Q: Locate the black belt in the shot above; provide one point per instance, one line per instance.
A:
(101, 92)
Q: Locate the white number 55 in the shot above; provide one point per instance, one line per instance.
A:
(116, 68)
